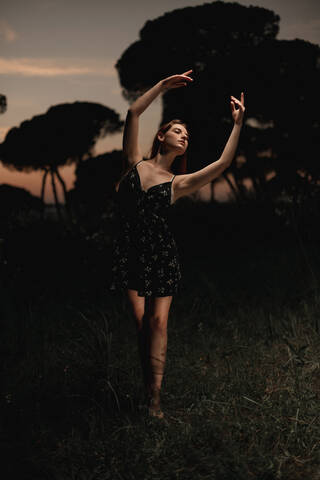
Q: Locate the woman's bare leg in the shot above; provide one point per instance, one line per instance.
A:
(157, 312)
(137, 307)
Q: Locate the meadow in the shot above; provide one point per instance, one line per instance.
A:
(241, 388)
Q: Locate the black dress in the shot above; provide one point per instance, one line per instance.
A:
(145, 255)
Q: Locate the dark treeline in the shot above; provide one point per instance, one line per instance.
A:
(278, 152)
(279, 145)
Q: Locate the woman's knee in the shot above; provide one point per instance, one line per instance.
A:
(138, 316)
(158, 323)
(136, 307)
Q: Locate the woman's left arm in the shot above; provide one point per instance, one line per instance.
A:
(191, 182)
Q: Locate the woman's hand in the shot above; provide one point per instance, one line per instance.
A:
(176, 81)
(237, 114)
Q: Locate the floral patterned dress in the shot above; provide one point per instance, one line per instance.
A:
(145, 255)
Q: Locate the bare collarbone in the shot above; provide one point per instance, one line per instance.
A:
(156, 181)
(152, 179)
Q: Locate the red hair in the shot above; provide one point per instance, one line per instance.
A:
(180, 162)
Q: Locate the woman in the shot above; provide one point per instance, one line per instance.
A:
(146, 260)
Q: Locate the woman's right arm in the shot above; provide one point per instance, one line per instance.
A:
(130, 144)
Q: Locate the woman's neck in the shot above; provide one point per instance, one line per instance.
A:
(163, 161)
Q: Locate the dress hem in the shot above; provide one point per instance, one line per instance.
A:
(123, 288)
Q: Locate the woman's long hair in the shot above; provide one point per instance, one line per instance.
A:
(179, 165)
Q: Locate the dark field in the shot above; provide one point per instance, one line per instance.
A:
(241, 390)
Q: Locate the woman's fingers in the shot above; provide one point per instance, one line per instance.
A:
(237, 113)
(185, 76)
(180, 84)
(181, 79)
(235, 100)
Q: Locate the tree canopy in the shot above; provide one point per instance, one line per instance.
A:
(233, 48)
(66, 133)
(3, 103)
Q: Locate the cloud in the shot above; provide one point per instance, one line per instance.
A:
(7, 33)
(40, 67)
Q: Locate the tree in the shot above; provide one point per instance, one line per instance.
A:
(233, 48)
(93, 193)
(3, 103)
(65, 134)
(15, 205)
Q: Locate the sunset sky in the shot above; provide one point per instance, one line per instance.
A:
(54, 51)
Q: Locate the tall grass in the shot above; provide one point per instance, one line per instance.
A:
(241, 387)
(241, 391)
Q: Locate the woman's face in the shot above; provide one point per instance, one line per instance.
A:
(176, 138)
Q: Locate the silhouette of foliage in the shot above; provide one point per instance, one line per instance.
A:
(3, 103)
(93, 192)
(15, 205)
(233, 48)
(207, 39)
(65, 134)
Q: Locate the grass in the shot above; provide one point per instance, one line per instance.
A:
(241, 389)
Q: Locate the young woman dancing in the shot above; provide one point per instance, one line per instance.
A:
(145, 256)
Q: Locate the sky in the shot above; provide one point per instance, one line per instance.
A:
(58, 51)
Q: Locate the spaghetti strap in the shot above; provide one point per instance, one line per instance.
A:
(137, 163)
(130, 169)
(172, 178)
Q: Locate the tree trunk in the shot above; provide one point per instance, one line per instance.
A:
(256, 186)
(56, 196)
(62, 184)
(44, 178)
(66, 202)
(232, 188)
(241, 190)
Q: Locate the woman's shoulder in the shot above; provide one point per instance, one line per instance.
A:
(129, 163)
(127, 166)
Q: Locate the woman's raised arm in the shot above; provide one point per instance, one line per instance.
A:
(130, 144)
(191, 182)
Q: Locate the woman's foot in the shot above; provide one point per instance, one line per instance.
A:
(154, 403)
